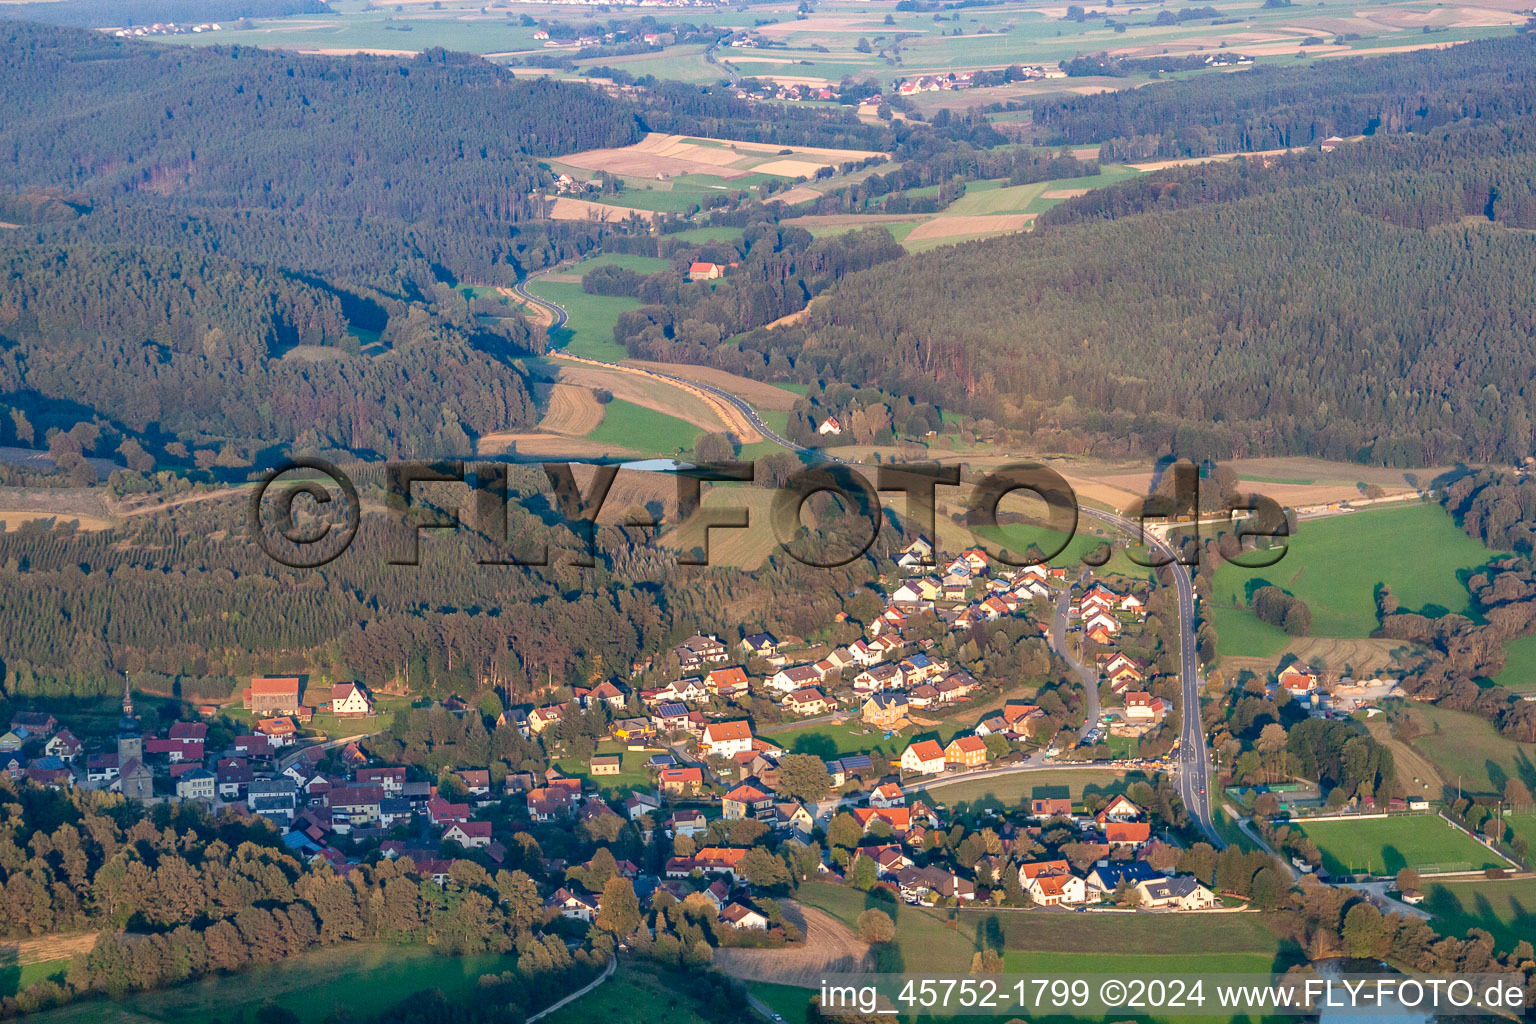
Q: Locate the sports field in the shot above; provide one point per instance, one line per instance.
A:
(1381, 846)
(1506, 908)
(1335, 565)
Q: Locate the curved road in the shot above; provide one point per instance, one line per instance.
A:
(1192, 765)
(1063, 648)
(741, 405)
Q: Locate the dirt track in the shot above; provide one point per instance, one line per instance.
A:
(829, 948)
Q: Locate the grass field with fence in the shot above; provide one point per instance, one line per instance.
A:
(1381, 846)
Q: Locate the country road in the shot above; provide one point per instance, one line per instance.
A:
(735, 401)
(1192, 763)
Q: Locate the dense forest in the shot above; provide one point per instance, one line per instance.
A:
(1271, 107)
(1360, 310)
(177, 895)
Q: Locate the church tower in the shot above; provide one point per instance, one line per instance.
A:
(130, 744)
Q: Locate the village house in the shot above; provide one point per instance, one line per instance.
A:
(197, 784)
(1178, 893)
(1057, 890)
(806, 701)
(1127, 833)
(36, 723)
(829, 427)
(1141, 708)
(887, 795)
(1051, 807)
(1105, 878)
(878, 679)
(746, 801)
(1121, 670)
(727, 739)
(569, 904)
(604, 693)
(924, 757)
(702, 271)
(916, 555)
(793, 817)
(761, 645)
(787, 680)
(64, 746)
(743, 918)
(884, 710)
(350, 700)
(966, 752)
(1298, 679)
(605, 764)
(1119, 808)
(718, 860)
(472, 835)
(699, 650)
(542, 718)
(680, 781)
(728, 683)
(688, 823)
(925, 885)
(272, 695)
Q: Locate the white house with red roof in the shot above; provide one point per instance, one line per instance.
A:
(727, 739)
(925, 757)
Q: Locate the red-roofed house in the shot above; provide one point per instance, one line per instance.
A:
(1127, 833)
(441, 812)
(273, 695)
(925, 757)
(966, 751)
(727, 739)
(469, 834)
(680, 781)
(700, 271)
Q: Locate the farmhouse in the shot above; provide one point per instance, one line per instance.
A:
(829, 426)
(273, 695)
(700, 271)
(1297, 679)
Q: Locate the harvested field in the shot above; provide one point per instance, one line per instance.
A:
(788, 168)
(533, 314)
(818, 23)
(1365, 657)
(566, 208)
(1410, 764)
(48, 947)
(798, 194)
(991, 224)
(830, 947)
(1398, 49)
(667, 156)
(1064, 193)
(572, 410)
(763, 396)
(544, 446)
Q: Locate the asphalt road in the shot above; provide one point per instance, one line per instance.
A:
(1192, 763)
(740, 404)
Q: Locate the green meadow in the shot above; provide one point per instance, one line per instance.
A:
(1336, 564)
(626, 425)
(1383, 845)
